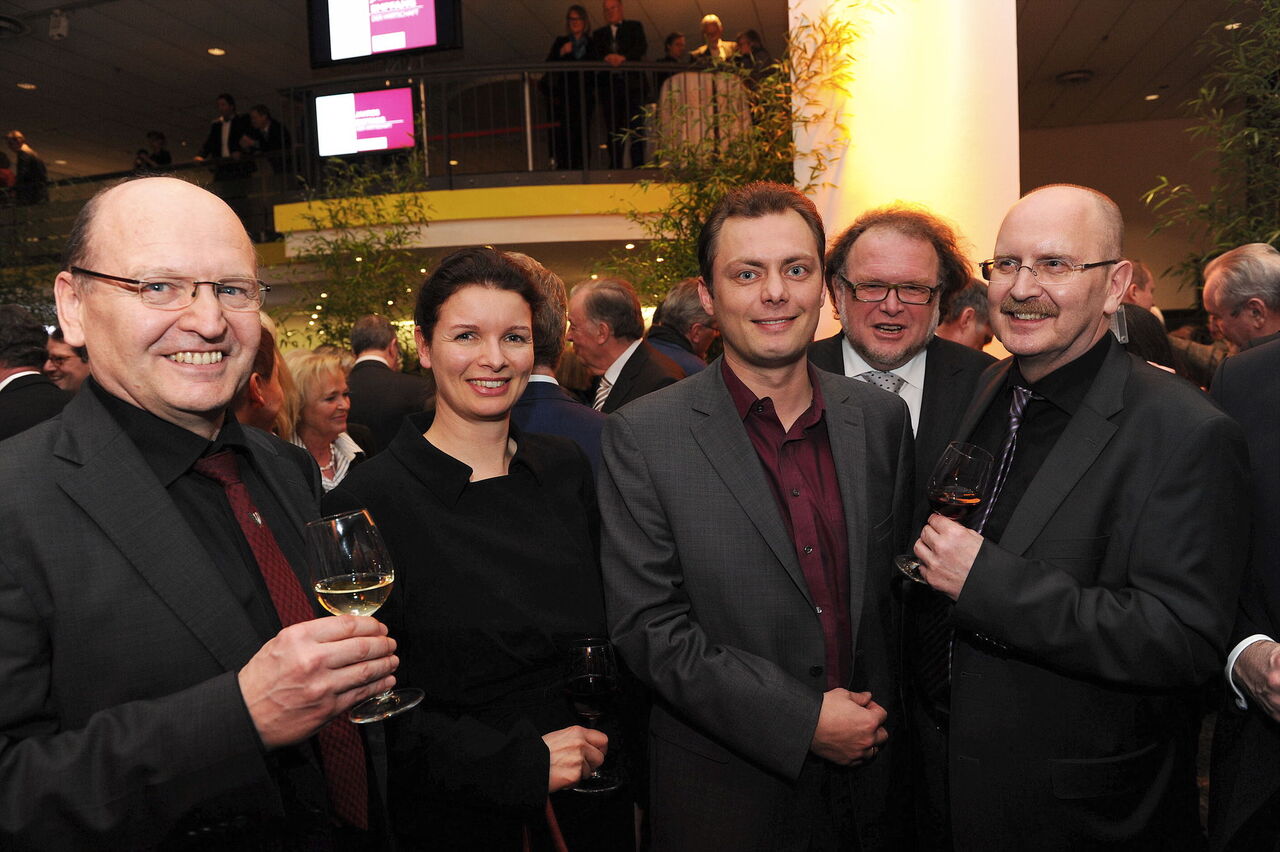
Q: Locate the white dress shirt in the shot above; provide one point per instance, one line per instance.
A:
(911, 373)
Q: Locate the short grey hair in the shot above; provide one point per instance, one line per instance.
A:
(613, 301)
(972, 295)
(1251, 271)
(682, 309)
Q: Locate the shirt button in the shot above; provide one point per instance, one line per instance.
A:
(759, 409)
(795, 492)
(815, 671)
(818, 610)
(808, 548)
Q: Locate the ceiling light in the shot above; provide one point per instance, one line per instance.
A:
(217, 51)
(1233, 26)
(59, 162)
(1152, 97)
(30, 87)
(629, 246)
(453, 162)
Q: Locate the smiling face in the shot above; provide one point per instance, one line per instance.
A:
(888, 334)
(183, 366)
(480, 352)
(1049, 325)
(64, 367)
(325, 415)
(767, 291)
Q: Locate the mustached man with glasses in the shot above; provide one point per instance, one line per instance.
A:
(889, 274)
(1095, 584)
(165, 681)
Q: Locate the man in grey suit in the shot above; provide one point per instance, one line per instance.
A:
(151, 696)
(1095, 586)
(750, 515)
(890, 274)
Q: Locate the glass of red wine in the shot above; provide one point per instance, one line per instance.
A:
(956, 487)
(591, 684)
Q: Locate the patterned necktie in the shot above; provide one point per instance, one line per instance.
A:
(341, 751)
(1017, 406)
(883, 380)
(602, 393)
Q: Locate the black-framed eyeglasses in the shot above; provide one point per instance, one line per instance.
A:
(875, 291)
(172, 293)
(1050, 269)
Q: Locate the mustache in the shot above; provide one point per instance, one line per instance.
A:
(1038, 307)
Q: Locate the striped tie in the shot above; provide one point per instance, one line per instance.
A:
(602, 393)
(1018, 405)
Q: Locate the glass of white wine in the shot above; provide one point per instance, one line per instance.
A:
(352, 574)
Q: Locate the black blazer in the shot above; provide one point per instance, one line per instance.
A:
(631, 41)
(1084, 635)
(645, 371)
(28, 400)
(1246, 744)
(951, 375)
(122, 721)
(212, 147)
(381, 398)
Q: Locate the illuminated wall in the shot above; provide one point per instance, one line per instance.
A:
(932, 114)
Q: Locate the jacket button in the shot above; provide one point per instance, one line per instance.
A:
(815, 671)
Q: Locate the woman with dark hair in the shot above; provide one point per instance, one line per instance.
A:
(494, 538)
(569, 95)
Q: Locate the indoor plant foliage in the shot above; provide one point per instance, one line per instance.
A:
(1237, 118)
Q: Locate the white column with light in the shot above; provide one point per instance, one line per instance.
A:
(931, 115)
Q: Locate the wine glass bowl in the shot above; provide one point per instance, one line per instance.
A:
(957, 486)
(352, 574)
(591, 683)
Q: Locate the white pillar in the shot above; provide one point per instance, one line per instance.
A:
(931, 115)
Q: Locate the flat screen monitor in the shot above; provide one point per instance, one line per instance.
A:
(356, 122)
(345, 31)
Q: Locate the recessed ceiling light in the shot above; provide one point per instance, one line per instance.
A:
(1152, 97)
(217, 51)
(629, 246)
(30, 87)
(59, 162)
(1233, 26)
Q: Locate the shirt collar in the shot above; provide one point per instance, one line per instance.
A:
(441, 473)
(4, 384)
(744, 399)
(912, 372)
(539, 377)
(615, 369)
(372, 356)
(168, 449)
(1067, 386)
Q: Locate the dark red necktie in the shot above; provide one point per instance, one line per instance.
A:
(341, 751)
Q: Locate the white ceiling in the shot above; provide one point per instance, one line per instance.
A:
(129, 66)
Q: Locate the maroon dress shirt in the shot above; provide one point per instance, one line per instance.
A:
(801, 472)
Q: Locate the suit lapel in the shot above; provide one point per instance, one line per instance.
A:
(1086, 435)
(847, 431)
(988, 386)
(620, 393)
(724, 441)
(118, 491)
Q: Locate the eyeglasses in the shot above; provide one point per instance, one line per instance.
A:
(59, 360)
(1051, 269)
(174, 294)
(908, 294)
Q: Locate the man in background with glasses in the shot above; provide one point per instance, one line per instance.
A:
(1095, 584)
(150, 558)
(889, 274)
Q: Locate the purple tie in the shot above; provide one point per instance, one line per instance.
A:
(1018, 405)
(341, 751)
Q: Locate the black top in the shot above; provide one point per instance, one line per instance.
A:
(1056, 399)
(493, 580)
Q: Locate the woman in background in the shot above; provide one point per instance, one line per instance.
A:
(320, 425)
(570, 95)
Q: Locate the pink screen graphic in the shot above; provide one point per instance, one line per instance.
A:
(384, 119)
(401, 24)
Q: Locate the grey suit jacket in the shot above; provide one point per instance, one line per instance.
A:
(120, 642)
(1084, 633)
(709, 606)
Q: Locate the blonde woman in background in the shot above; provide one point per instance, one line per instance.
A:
(320, 419)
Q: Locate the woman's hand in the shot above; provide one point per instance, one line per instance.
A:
(566, 48)
(575, 754)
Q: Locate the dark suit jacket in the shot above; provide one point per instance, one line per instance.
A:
(212, 147)
(951, 374)
(631, 41)
(1246, 745)
(28, 400)
(675, 346)
(1083, 635)
(122, 720)
(645, 371)
(551, 410)
(709, 606)
(381, 398)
